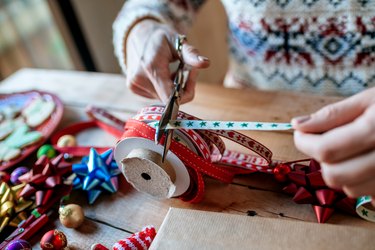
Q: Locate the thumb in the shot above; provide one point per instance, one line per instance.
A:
(329, 117)
(192, 57)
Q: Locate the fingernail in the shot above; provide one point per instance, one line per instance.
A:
(203, 59)
(301, 119)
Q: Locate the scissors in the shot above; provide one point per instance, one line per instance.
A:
(172, 107)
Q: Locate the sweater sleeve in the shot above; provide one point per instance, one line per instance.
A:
(178, 13)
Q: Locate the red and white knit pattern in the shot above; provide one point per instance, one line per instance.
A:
(138, 241)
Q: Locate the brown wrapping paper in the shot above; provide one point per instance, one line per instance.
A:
(190, 229)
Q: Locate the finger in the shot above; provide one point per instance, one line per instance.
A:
(365, 188)
(192, 57)
(332, 116)
(351, 172)
(189, 91)
(340, 143)
(160, 78)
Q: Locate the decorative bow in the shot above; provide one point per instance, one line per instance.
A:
(12, 209)
(96, 173)
(46, 179)
(308, 187)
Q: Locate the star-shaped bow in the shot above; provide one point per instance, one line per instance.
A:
(308, 187)
(96, 173)
(12, 209)
(46, 179)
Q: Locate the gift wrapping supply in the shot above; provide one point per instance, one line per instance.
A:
(193, 153)
(197, 152)
(225, 125)
(364, 208)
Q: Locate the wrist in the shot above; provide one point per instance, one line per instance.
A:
(138, 29)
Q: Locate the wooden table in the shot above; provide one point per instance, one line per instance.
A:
(113, 217)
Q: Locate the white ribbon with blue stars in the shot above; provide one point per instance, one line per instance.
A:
(225, 125)
(363, 208)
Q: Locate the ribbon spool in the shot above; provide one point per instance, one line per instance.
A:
(143, 169)
(192, 154)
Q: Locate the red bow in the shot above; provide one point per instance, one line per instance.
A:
(45, 179)
(308, 187)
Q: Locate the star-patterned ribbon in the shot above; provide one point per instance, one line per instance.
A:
(225, 125)
(364, 208)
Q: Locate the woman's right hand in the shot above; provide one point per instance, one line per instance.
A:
(149, 51)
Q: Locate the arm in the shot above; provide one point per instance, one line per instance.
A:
(144, 34)
(342, 137)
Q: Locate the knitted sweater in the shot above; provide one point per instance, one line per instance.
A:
(318, 46)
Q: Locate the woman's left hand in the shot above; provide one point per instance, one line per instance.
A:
(341, 136)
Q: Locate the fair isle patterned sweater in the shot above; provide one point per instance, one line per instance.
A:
(317, 46)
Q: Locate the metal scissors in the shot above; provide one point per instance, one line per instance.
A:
(172, 107)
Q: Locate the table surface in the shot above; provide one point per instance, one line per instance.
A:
(116, 216)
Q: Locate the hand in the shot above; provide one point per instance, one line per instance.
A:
(341, 137)
(149, 51)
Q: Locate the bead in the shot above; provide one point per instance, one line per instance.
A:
(17, 173)
(46, 150)
(4, 176)
(53, 239)
(281, 172)
(18, 245)
(67, 141)
(71, 216)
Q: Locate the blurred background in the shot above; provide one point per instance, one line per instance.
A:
(77, 35)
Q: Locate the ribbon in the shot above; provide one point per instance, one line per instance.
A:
(307, 186)
(364, 208)
(203, 152)
(96, 173)
(45, 179)
(225, 125)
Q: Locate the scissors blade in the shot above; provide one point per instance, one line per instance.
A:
(164, 120)
(173, 116)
